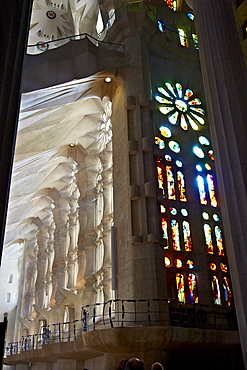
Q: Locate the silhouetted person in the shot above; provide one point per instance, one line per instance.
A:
(135, 364)
(122, 364)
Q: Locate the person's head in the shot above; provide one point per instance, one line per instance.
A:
(157, 366)
(121, 365)
(135, 364)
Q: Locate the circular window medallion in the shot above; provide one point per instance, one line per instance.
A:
(51, 14)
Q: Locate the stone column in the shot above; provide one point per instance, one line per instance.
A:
(42, 239)
(225, 84)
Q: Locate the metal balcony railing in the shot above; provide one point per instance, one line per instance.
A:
(129, 313)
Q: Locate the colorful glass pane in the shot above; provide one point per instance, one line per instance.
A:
(173, 211)
(227, 291)
(208, 238)
(164, 231)
(179, 163)
(188, 94)
(173, 118)
(198, 110)
(175, 235)
(162, 209)
(191, 16)
(172, 4)
(201, 188)
(179, 88)
(192, 288)
(160, 179)
(219, 242)
(174, 146)
(195, 40)
(195, 101)
(199, 168)
(161, 26)
(163, 91)
(187, 236)
(178, 263)
(190, 264)
(184, 212)
(198, 152)
(168, 158)
(211, 190)
(183, 123)
(182, 37)
(163, 100)
(181, 105)
(180, 287)
(166, 110)
(216, 290)
(192, 123)
(167, 262)
(170, 183)
(211, 154)
(159, 142)
(223, 267)
(165, 131)
(207, 166)
(170, 88)
(205, 215)
(203, 140)
(181, 186)
(216, 217)
(212, 266)
(198, 118)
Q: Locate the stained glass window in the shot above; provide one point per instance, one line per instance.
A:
(180, 107)
(172, 4)
(162, 209)
(182, 37)
(216, 290)
(212, 266)
(211, 189)
(201, 188)
(184, 212)
(175, 235)
(198, 152)
(205, 215)
(195, 40)
(168, 158)
(191, 16)
(203, 140)
(216, 217)
(227, 291)
(160, 179)
(190, 264)
(192, 288)
(187, 236)
(219, 242)
(159, 142)
(208, 239)
(165, 231)
(223, 267)
(173, 210)
(167, 262)
(180, 287)
(179, 163)
(181, 186)
(178, 263)
(174, 146)
(211, 154)
(165, 131)
(170, 183)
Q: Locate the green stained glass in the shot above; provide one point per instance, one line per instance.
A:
(163, 100)
(165, 131)
(174, 146)
(195, 101)
(166, 110)
(183, 123)
(173, 118)
(179, 88)
(198, 152)
(173, 210)
(163, 91)
(170, 88)
(188, 93)
(192, 123)
(198, 118)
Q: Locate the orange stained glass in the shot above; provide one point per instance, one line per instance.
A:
(175, 235)
(216, 290)
(223, 267)
(227, 291)
(187, 236)
(212, 266)
(180, 287)
(219, 242)
(208, 238)
(167, 262)
(164, 231)
(211, 190)
(181, 186)
(160, 179)
(192, 288)
(170, 183)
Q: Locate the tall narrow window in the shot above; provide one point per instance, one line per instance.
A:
(164, 230)
(216, 290)
(187, 236)
(227, 291)
(170, 183)
(208, 238)
(219, 242)
(175, 235)
(181, 186)
(195, 40)
(192, 288)
(160, 179)
(7, 297)
(172, 4)
(10, 278)
(180, 287)
(201, 188)
(211, 190)
(182, 37)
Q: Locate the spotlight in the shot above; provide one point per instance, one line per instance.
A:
(71, 144)
(107, 79)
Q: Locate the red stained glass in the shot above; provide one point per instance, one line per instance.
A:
(181, 186)
(192, 288)
(211, 189)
